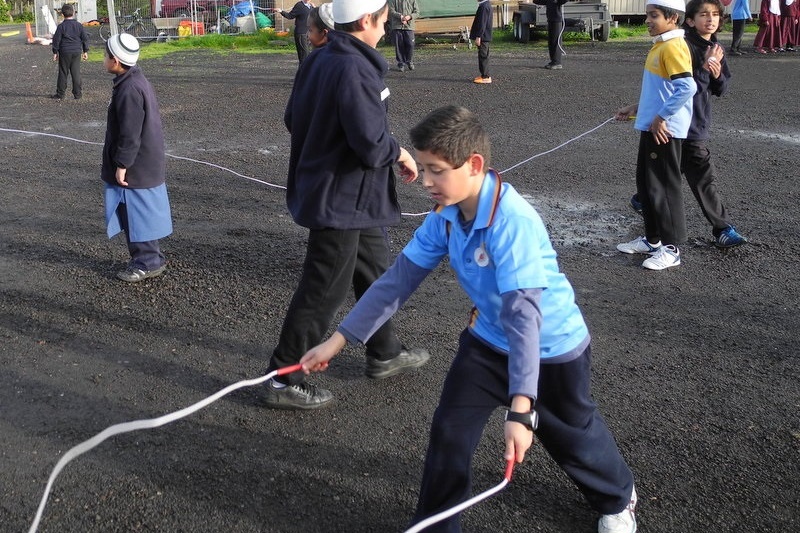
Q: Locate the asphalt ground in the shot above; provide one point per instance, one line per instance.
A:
(695, 368)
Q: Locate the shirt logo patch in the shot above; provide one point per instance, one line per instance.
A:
(481, 257)
(384, 94)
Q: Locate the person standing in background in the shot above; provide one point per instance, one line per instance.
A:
(790, 25)
(740, 14)
(70, 45)
(555, 28)
(481, 33)
(768, 38)
(299, 14)
(401, 23)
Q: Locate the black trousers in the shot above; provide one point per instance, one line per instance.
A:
(303, 45)
(554, 41)
(738, 33)
(659, 186)
(335, 261)
(483, 59)
(403, 46)
(700, 173)
(570, 429)
(69, 65)
(145, 255)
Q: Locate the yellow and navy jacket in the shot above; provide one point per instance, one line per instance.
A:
(667, 85)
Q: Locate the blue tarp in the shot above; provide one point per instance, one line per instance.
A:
(239, 10)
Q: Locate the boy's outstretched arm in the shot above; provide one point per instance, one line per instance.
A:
(316, 359)
(625, 113)
(518, 437)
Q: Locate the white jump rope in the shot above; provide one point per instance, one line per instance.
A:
(152, 423)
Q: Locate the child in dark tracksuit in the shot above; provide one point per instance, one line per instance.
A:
(711, 74)
(481, 33)
(70, 45)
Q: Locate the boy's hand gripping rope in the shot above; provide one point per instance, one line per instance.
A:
(127, 427)
(419, 526)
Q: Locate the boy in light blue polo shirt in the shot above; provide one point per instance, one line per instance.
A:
(526, 347)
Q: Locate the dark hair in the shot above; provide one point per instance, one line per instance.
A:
(316, 20)
(452, 133)
(693, 8)
(67, 10)
(669, 12)
(350, 27)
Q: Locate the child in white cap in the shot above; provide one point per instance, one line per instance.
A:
(663, 116)
(134, 163)
(341, 186)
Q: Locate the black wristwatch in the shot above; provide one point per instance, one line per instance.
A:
(530, 420)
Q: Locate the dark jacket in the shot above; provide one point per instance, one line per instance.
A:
(341, 171)
(706, 85)
(482, 25)
(299, 13)
(552, 9)
(134, 137)
(70, 38)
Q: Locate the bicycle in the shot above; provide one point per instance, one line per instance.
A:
(140, 27)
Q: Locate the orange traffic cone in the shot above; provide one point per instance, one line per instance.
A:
(28, 32)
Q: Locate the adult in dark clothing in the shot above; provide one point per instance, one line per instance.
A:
(341, 186)
(555, 28)
(299, 14)
(481, 33)
(70, 45)
(402, 14)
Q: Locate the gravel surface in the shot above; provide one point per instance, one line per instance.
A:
(695, 367)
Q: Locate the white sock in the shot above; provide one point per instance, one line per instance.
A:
(277, 384)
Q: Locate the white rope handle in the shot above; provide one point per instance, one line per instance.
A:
(127, 427)
(419, 526)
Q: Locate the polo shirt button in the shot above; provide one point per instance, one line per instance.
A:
(469, 260)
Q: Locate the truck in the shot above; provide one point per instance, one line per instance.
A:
(581, 16)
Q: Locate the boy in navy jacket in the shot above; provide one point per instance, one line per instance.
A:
(341, 186)
(70, 45)
(134, 163)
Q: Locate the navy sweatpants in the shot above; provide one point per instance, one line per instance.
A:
(570, 429)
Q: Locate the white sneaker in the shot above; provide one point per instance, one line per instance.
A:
(622, 522)
(639, 245)
(665, 257)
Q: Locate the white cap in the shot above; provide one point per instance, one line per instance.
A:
(677, 5)
(124, 47)
(326, 14)
(345, 11)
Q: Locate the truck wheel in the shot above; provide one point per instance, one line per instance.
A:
(522, 31)
(603, 32)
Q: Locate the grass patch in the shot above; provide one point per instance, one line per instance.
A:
(269, 42)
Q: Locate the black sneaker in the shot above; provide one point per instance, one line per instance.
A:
(411, 66)
(301, 396)
(406, 360)
(56, 97)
